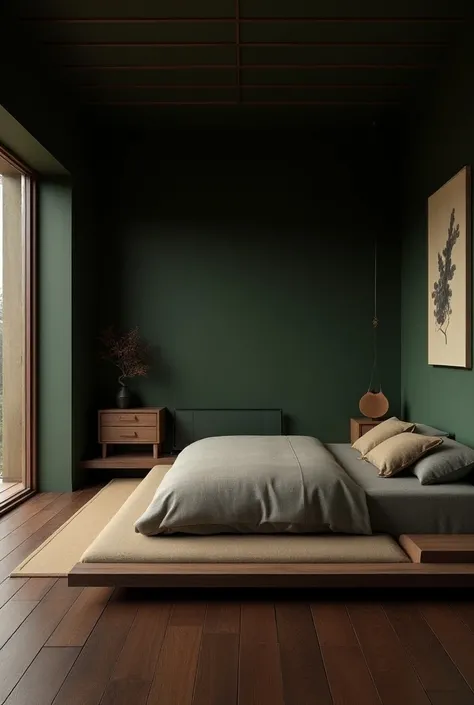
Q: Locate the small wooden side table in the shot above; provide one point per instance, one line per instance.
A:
(131, 427)
(438, 548)
(361, 425)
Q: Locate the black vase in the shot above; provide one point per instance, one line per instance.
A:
(123, 397)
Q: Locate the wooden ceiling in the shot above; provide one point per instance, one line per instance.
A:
(162, 60)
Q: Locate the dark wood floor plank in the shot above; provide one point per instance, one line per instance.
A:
(465, 610)
(222, 618)
(260, 677)
(455, 636)
(175, 674)
(15, 518)
(13, 559)
(133, 673)
(20, 650)
(434, 667)
(349, 678)
(304, 677)
(75, 627)
(35, 589)
(44, 677)
(10, 587)
(88, 678)
(332, 623)
(258, 623)
(11, 616)
(188, 614)
(439, 697)
(217, 676)
(390, 666)
(31, 526)
(62, 591)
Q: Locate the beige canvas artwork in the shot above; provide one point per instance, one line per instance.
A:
(449, 273)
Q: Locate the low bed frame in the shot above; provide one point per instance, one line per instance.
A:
(437, 561)
(276, 575)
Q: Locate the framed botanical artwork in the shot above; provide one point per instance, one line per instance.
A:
(449, 273)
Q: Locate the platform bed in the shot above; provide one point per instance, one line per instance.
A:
(123, 558)
(119, 556)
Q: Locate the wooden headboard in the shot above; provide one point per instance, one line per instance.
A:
(193, 424)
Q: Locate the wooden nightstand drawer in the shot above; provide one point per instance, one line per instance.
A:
(129, 434)
(125, 418)
(131, 427)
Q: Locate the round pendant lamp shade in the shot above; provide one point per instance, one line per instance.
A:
(374, 405)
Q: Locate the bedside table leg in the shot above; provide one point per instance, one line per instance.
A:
(155, 449)
(104, 450)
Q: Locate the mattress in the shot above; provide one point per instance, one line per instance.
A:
(118, 542)
(401, 505)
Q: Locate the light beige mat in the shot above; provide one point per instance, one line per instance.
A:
(63, 549)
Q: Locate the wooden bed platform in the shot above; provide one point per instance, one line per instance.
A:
(121, 557)
(276, 575)
(437, 561)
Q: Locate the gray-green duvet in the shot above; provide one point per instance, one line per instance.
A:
(256, 484)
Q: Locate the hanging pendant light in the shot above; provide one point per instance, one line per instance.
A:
(374, 404)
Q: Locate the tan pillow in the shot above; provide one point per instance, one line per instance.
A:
(378, 434)
(400, 451)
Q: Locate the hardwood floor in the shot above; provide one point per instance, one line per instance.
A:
(99, 646)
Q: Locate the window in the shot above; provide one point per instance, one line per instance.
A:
(17, 340)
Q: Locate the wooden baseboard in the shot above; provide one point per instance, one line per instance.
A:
(275, 575)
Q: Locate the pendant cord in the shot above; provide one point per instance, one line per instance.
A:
(375, 323)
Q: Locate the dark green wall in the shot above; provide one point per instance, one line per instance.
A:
(67, 234)
(253, 275)
(439, 144)
(55, 336)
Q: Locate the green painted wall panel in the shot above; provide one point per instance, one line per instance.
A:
(55, 336)
(438, 145)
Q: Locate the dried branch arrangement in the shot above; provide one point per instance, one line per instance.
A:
(126, 351)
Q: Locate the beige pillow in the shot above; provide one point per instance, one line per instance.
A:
(378, 434)
(400, 451)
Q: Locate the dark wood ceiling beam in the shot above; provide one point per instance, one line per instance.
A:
(229, 86)
(245, 20)
(247, 102)
(216, 67)
(237, 44)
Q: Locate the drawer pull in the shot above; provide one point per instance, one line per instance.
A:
(128, 435)
(127, 418)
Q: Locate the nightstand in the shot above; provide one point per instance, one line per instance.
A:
(361, 425)
(131, 427)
